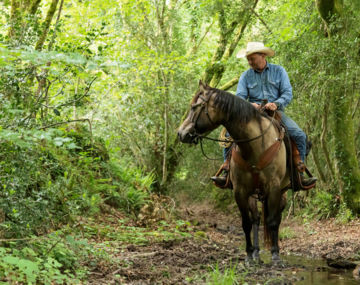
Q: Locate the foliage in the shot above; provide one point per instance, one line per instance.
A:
(323, 205)
(49, 177)
(46, 260)
(286, 233)
(91, 94)
(228, 276)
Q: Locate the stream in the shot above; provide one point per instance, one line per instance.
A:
(305, 271)
(317, 272)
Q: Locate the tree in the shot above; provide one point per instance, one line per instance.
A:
(340, 21)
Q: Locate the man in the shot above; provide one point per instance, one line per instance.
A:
(265, 81)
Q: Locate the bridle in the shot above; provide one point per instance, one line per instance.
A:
(203, 106)
(198, 137)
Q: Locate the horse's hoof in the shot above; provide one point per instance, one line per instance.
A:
(256, 257)
(275, 258)
(249, 260)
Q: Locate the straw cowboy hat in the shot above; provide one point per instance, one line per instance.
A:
(255, 47)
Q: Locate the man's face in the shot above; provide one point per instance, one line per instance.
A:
(256, 61)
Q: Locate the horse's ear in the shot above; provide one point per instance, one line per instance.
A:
(202, 85)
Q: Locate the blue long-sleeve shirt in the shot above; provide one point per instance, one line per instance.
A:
(272, 84)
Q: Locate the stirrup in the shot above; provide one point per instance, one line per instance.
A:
(301, 185)
(227, 184)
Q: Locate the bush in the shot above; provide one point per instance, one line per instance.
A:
(48, 177)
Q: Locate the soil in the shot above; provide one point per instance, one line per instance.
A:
(218, 242)
(328, 239)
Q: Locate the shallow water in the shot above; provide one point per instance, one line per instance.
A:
(316, 272)
(298, 270)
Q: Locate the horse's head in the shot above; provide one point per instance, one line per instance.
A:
(202, 117)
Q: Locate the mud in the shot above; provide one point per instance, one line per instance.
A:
(218, 244)
(172, 262)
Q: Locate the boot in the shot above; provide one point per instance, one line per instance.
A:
(220, 180)
(307, 181)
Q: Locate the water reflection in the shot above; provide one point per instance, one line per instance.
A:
(316, 272)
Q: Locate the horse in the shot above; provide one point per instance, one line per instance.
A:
(253, 133)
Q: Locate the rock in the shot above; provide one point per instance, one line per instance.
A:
(340, 263)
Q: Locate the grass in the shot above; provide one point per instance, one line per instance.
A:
(286, 233)
(228, 276)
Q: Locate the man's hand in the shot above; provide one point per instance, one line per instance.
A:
(271, 106)
(257, 106)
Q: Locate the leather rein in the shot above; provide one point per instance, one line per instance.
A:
(197, 137)
(265, 158)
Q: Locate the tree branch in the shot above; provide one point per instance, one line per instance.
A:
(46, 24)
(71, 121)
(323, 140)
(56, 25)
(14, 18)
(197, 45)
(34, 6)
(261, 19)
(230, 83)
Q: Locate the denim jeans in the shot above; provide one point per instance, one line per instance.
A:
(295, 133)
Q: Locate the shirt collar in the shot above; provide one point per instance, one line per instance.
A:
(266, 67)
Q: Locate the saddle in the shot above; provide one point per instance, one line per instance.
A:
(294, 163)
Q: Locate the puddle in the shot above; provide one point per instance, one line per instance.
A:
(316, 272)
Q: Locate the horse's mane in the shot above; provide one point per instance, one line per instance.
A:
(235, 107)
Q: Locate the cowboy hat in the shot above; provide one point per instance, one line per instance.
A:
(255, 47)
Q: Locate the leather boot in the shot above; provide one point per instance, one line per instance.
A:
(220, 180)
(307, 181)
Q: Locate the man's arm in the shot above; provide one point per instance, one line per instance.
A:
(285, 90)
(241, 89)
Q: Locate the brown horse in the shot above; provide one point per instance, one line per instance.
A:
(253, 134)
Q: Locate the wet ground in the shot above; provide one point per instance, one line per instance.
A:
(217, 243)
(190, 261)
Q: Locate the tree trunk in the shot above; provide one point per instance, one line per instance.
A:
(323, 141)
(317, 163)
(15, 19)
(34, 6)
(345, 151)
(46, 24)
(227, 43)
(343, 125)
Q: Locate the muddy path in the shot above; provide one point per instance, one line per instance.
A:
(217, 244)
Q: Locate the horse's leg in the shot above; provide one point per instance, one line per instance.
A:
(246, 223)
(255, 226)
(273, 219)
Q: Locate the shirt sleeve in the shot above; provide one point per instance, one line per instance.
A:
(241, 89)
(285, 90)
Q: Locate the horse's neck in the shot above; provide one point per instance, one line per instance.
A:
(246, 132)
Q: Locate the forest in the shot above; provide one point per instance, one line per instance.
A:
(97, 187)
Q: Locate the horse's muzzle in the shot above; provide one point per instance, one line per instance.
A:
(186, 137)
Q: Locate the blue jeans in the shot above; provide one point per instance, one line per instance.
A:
(295, 133)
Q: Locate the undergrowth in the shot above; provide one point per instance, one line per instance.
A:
(71, 254)
(55, 184)
(50, 177)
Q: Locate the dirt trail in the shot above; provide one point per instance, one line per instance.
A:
(218, 241)
(175, 261)
(329, 239)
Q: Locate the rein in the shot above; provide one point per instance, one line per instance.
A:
(201, 137)
(243, 140)
(204, 106)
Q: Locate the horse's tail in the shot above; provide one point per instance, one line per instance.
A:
(265, 213)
